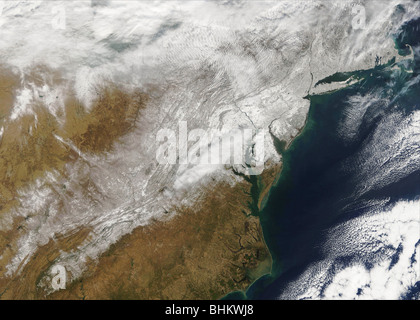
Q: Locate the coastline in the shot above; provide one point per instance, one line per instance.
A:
(201, 253)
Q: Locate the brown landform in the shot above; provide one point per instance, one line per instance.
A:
(202, 252)
(29, 146)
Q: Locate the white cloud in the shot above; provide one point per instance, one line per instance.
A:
(385, 263)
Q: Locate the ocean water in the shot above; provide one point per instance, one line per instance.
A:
(342, 222)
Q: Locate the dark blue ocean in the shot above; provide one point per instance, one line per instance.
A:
(356, 155)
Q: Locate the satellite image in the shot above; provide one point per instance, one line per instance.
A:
(209, 150)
